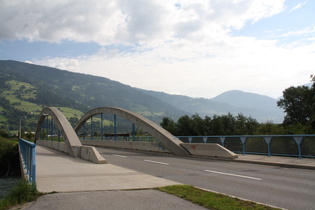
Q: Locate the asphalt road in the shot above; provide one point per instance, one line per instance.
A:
(283, 187)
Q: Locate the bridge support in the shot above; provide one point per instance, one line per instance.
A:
(72, 144)
(167, 139)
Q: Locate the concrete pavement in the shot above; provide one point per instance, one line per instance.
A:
(85, 185)
(289, 162)
(57, 171)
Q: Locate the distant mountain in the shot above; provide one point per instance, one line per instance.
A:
(262, 108)
(258, 106)
(26, 88)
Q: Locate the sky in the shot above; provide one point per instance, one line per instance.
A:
(197, 48)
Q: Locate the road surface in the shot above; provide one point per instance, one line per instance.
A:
(283, 187)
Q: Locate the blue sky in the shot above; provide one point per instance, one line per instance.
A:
(190, 47)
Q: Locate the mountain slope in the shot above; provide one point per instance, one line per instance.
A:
(262, 108)
(26, 88)
(53, 87)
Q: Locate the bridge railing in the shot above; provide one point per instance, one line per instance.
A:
(280, 145)
(28, 156)
(122, 138)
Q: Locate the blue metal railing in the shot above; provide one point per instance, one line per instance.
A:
(121, 138)
(280, 145)
(300, 146)
(28, 153)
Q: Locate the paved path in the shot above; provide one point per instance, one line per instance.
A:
(57, 171)
(289, 162)
(86, 185)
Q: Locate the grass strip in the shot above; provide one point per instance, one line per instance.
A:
(22, 192)
(211, 200)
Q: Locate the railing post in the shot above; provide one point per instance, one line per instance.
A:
(58, 135)
(243, 139)
(52, 129)
(83, 130)
(28, 154)
(47, 124)
(102, 127)
(115, 129)
(298, 140)
(134, 132)
(268, 140)
(205, 139)
(190, 139)
(222, 139)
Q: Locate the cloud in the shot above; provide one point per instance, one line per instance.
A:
(183, 47)
(243, 63)
(127, 22)
(298, 6)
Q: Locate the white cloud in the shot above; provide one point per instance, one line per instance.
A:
(298, 6)
(127, 22)
(182, 47)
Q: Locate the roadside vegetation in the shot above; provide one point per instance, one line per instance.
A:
(9, 157)
(298, 104)
(211, 200)
(22, 192)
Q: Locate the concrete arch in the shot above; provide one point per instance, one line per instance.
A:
(167, 140)
(70, 137)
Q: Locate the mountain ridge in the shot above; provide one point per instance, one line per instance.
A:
(54, 87)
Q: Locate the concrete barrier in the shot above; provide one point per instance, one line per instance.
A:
(84, 152)
(209, 150)
(132, 145)
(91, 154)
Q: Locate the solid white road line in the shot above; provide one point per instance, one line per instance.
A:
(228, 174)
(120, 156)
(151, 161)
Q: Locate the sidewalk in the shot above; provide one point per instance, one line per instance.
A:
(57, 171)
(84, 185)
(289, 162)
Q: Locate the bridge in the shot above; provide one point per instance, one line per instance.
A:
(64, 156)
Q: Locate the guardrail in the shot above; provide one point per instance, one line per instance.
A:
(28, 156)
(121, 138)
(280, 145)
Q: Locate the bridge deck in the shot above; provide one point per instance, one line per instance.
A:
(59, 172)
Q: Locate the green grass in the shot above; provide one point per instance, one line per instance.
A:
(68, 112)
(211, 200)
(21, 193)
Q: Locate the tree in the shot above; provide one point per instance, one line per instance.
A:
(298, 105)
(169, 125)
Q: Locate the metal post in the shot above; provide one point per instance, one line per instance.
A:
(268, 140)
(190, 139)
(102, 127)
(83, 130)
(47, 124)
(115, 129)
(52, 129)
(298, 140)
(58, 135)
(91, 128)
(243, 139)
(33, 164)
(205, 139)
(134, 132)
(222, 139)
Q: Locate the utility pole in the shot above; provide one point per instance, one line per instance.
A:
(20, 134)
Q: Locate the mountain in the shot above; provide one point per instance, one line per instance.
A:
(26, 88)
(262, 108)
(258, 106)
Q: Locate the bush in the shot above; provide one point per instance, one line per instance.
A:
(22, 192)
